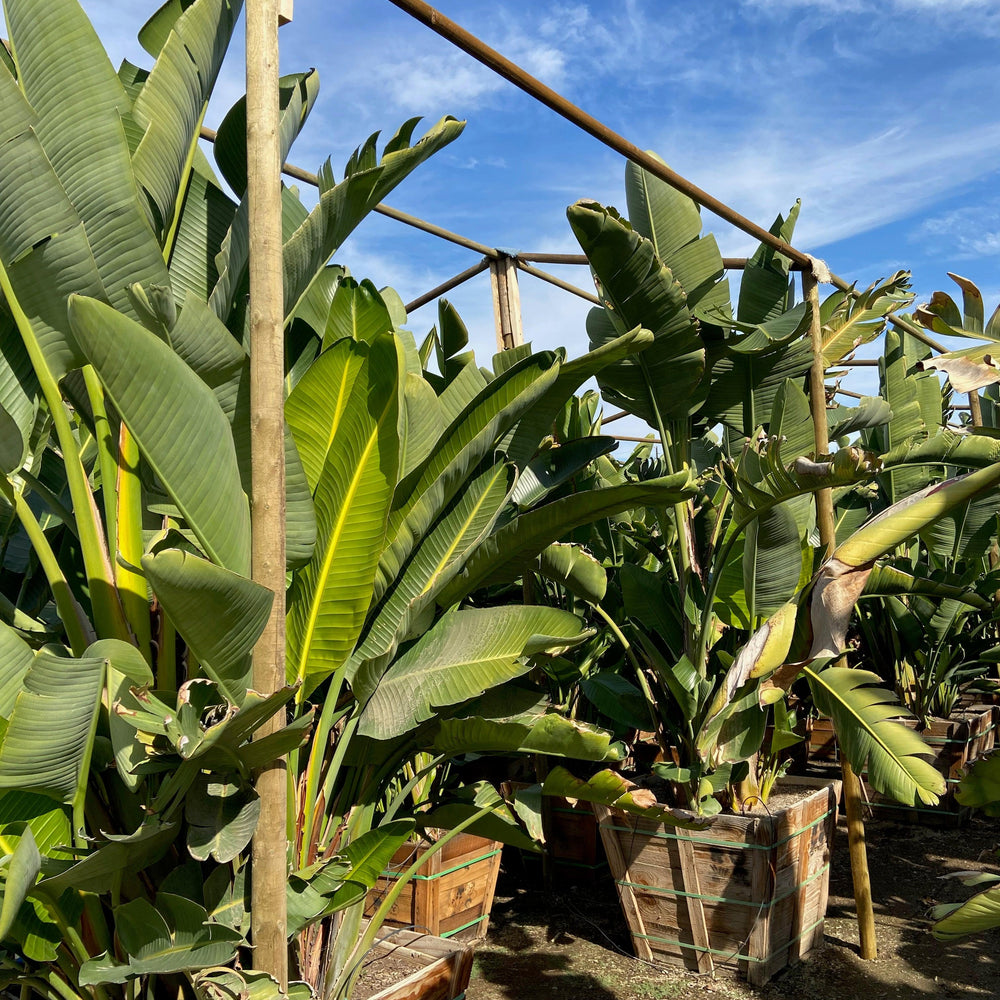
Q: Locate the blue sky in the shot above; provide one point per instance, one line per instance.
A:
(881, 115)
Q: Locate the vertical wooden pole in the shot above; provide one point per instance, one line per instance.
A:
(506, 302)
(267, 455)
(975, 409)
(827, 534)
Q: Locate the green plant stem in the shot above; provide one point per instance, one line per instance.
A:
(346, 978)
(106, 454)
(69, 610)
(636, 665)
(107, 611)
(59, 987)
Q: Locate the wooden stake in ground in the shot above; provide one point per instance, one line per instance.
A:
(828, 538)
(269, 851)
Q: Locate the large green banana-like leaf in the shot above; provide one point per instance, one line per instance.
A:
(870, 412)
(44, 251)
(330, 596)
(22, 870)
(121, 854)
(772, 561)
(80, 101)
(865, 718)
(764, 291)
(315, 408)
(512, 548)
(975, 915)
(640, 290)
(16, 657)
(671, 221)
(357, 311)
(548, 733)
(611, 789)
(343, 206)
(966, 532)
(911, 394)
(174, 936)
(297, 94)
(743, 387)
(829, 598)
(968, 368)
(436, 560)
(908, 517)
(205, 218)
(50, 736)
(126, 669)
(464, 654)
(219, 614)
(537, 422)
(891, 580)
(980, 786)
(470, 438)
(173, 99)
(424, 423)
(18, 397)
(573, 567)
(178, 425)
(203, 342)
(849, 322)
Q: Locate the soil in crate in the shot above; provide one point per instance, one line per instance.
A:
(405, 965)
(747, 894)
(452, 892)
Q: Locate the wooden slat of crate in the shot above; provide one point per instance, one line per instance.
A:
(452, 892)
(749, 910)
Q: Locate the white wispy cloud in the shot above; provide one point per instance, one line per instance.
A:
(970, 231)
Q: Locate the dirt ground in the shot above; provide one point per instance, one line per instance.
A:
(572, 942)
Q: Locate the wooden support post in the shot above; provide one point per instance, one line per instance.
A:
(285, 11)
(975, 409)
(267, 457)
(853, 801)
(506, 302)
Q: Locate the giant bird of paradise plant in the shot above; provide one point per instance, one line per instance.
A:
(710, 613)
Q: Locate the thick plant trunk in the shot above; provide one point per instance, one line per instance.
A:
(270, 866)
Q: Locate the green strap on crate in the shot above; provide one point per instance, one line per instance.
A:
(664, 891)
(719, 843)
(464, 927)
(729, 956)
(387, 873)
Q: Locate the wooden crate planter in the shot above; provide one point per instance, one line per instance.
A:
(956, 742)
(573, 841)
(747, 894)
(452, 892)
(446, 966)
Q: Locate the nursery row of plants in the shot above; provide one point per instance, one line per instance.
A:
(474, 578)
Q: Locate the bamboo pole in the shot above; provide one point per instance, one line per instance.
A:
(267, 456)
(447, 286)
(828, 538)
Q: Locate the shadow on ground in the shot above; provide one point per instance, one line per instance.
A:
(571, 941)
